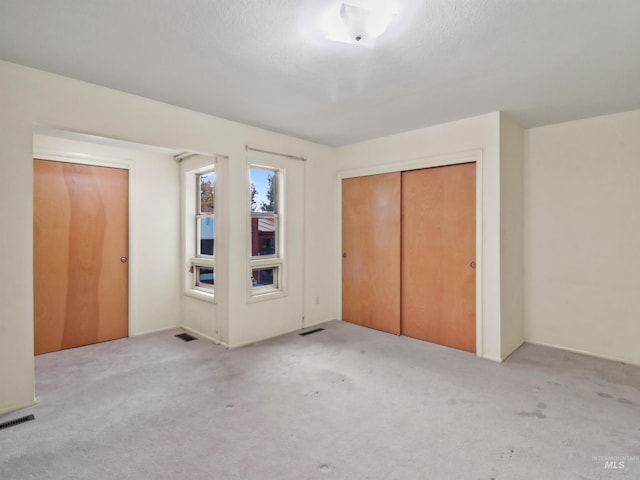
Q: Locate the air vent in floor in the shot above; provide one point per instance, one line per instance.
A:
(17, 421)
(186, 337)
(315, 330)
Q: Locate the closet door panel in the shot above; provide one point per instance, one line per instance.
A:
(371, 251)
(438, 255)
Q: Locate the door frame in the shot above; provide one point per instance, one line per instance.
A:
(468, 156)
(121, 163)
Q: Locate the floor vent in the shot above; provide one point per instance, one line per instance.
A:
(17, 421)
(315, 330)
(186, 337)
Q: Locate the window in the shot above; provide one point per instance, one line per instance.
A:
(200, 183)
(202, 264)
(266, 224)
(204, 276)
(205, 214)
(264, 277)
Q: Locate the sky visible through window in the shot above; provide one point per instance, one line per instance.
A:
(259, 177)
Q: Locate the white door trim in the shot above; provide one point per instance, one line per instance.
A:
(109, 162)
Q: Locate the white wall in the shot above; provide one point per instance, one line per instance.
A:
(200, 315)
(154, 296)
(29, 97)
(313, 195)
(511, 234)
(479, 134)
(582, 232)
(581, 226)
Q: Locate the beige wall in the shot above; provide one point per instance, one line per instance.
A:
(580, 225)
(582, 232)
(511, 235)
(29, 97)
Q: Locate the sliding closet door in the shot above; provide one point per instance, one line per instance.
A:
(438, 255)
(371, 251)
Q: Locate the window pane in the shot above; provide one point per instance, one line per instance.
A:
(204, 276)
(263, 190)
(206, 229)
(264, 277)
(263, 235)
(207, 192)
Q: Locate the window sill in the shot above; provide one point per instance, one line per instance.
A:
(200, 295)
(203, 261)
(261, 296)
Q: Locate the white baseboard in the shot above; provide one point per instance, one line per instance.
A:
(517, 346)
(492, 358)
(251, 342)
(286, 332)
(318, 322)
(15, 408)
(585, 352)
(155, 330)
(200, 334)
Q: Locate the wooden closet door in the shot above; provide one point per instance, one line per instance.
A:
(371, 251)
(80, 254)
(438, 255)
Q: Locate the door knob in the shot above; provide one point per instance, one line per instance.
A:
(472, 264)
(344, 255)
(123, 259)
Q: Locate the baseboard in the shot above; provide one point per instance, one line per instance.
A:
(319, 322)
(15, 408)
(251, 342)
(492, 358)
(585, 352)
(518, 345)
(296, 329)
(155, 330)
(200, 334)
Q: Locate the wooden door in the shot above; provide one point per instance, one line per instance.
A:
(438, 255)
(80, 254)
(371, 251)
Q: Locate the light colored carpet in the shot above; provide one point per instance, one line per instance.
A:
(344, 403)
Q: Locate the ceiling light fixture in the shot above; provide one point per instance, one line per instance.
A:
(359, 22)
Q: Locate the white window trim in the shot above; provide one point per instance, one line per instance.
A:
(278, 261)
(191, 209)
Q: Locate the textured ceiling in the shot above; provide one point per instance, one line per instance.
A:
(267, 63)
